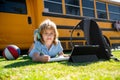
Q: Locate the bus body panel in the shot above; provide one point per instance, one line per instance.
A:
(15, 29)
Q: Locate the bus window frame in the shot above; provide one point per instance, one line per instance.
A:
(104, 11)
(113, 13)
(74, 7)
(15, 8)
(46, 9)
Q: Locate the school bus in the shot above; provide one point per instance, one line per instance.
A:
(19, 19)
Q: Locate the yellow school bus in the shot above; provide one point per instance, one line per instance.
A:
(19, 19)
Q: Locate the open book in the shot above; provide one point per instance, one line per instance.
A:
(60, 58)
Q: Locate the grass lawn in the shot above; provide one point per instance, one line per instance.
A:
(24, 69)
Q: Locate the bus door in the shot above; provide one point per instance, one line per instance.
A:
(16, 23)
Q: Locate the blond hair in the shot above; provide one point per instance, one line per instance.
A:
(48, 24)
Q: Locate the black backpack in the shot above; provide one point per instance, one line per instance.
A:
(93, 36)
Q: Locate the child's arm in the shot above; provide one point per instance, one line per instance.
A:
(44, 58)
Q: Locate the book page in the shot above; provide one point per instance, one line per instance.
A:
(60, 58)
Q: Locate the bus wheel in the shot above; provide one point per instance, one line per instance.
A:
(106, 39)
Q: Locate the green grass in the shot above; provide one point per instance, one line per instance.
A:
(24, 69)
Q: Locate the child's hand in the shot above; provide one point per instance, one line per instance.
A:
(45, 58)
(64, 55)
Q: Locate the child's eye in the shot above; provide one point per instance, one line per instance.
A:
(49, 34)
(46, 33)
(52, 34)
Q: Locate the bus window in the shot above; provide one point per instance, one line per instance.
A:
(72, 7)
(114, 12)
(53, 6)
(88, 8)
(13, 6)
(101, 10)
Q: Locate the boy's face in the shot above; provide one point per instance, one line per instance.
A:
(48, 36)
